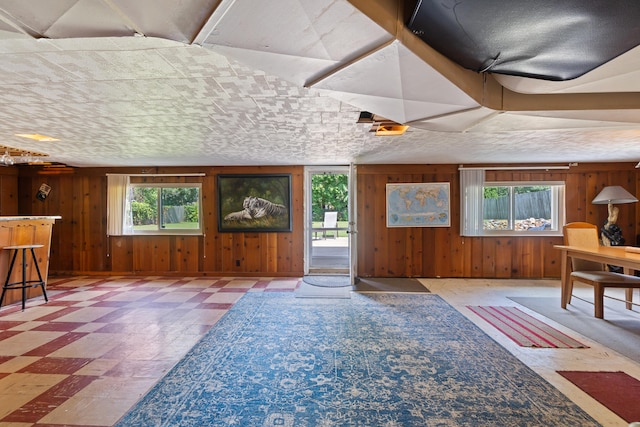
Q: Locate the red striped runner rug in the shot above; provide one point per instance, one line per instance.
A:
(525, 330)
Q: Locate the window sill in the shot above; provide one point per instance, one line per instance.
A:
(168, 233)
(521, 234)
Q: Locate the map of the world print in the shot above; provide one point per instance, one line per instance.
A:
(418, 205)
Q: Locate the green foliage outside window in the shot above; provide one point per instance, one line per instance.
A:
(143, 213)
(497, 192)
(330, 193)
(165, 207)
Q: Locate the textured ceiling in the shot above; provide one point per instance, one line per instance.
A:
(161, 83)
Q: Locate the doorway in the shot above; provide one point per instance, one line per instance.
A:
(328, 225)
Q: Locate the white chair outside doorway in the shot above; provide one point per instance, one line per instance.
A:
(330, 223)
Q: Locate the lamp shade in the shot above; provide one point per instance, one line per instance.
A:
(613, 194)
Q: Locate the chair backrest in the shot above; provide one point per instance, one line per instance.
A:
(330, 220)
(584, 235)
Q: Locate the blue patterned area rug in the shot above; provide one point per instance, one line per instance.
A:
(372, 360)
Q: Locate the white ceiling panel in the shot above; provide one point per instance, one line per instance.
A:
(34, 20)
(458, 121)
(307, 28)
(394, 83)
(89, 18)
(509, 122)
(174, 20)
(315, 38)
(294, 69)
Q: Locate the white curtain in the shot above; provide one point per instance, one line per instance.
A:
(119, 218)
(471, 199)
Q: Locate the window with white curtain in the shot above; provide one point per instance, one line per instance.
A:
(510, 208)
(152, 208)
(165, 208)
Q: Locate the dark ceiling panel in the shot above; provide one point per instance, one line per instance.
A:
(544, 39)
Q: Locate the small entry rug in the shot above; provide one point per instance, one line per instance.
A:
(373, 360)
(616, 390)
(525, 330)
(389, 284)
(328, 281)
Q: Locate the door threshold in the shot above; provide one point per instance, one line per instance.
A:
(328, 271)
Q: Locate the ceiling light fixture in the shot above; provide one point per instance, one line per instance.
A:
(37, 137)
(380, 125)
(391, 130)
(6, 159)
(13, 156)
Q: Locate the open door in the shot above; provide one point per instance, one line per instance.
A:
(328, 220)
(353, 229)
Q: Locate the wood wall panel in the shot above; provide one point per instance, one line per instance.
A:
(63, 245)
(8, 191)
(444, 253)
(120, 254)
(80, 244)
(185, 250)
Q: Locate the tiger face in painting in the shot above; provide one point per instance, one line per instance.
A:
(258, 207)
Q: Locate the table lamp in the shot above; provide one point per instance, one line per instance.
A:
(612, 236)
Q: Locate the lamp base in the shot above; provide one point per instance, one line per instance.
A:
(611, 235)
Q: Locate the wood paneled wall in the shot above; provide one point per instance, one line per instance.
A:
(8, 191)
(80, 244)
(442, 252)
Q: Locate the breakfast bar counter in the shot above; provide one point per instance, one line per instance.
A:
(25, 230)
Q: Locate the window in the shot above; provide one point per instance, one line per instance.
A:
(510, 208)
(521, 207)
(165, 208)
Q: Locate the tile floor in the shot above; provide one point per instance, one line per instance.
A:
(100, 343)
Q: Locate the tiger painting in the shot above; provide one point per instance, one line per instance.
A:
(255, 208)
(259, 208)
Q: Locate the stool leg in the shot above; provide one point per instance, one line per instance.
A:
(41, 284)
(4, 290)
(6, 282)
(24, 278)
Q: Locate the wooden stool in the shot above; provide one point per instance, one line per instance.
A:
(24, 283)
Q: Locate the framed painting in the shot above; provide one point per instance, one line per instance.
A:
(418, 205)
(254, 203)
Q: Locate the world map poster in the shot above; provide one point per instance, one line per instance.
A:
(418, 205)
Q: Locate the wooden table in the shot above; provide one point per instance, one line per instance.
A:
(612, 255)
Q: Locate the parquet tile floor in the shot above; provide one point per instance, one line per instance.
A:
(88, 355)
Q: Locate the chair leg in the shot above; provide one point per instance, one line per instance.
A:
(568, 294)
(628, 298)
(598, 300)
